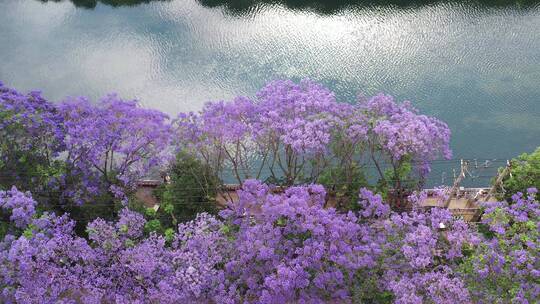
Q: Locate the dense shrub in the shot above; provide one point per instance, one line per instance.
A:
(505, 267)
(16, 210)
(288, 247)
(343, 184)
(525, 174)
(192, 189)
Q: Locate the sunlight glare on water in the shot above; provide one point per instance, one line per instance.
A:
(474, 66)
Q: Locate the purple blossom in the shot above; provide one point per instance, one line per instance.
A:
(372, 205)
(273, 245)
(31, 137)
(292, 131)
(284, 239)
(401, 131)
(276, 247)
(298, 115)
(112, 143)
(53, 265)
(20, 204)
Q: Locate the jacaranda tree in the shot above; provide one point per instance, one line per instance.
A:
(112, 144)
(78, 152)
(78, 148)
(31, 138)
(297, 133)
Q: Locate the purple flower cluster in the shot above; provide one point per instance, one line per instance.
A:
(418, 256)
(403, 132)
(278, 247)
(77, 147)
(301, 116)
(292, 131)
(441, 287)
(117, 265)
(372, 205)
(28, 121)
(113, 143)
(509, 259)
(288, 247)
(20, 205)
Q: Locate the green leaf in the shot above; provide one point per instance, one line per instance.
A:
(169, 234)
(124, 228)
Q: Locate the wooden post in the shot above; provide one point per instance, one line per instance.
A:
(499, 180)
(464, 165)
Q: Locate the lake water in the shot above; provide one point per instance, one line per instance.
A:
(475, 66)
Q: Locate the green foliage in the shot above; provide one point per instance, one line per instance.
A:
(150, 212)
(4, 227)
(398, 182)
(368, 290)
(525, 173)
(29, 231)
(508, 255)
(103, 206)
(192, 190)
(344, 183)
(157, 221)
(27, 170)
(27, 141)
(153, 226)
(169, 234)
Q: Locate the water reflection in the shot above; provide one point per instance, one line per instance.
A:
(321, 6)
(114, 3)
(332, 6)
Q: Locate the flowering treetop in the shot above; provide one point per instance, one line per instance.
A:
(115, 141)
(294, 132)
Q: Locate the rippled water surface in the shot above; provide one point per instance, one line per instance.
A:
(476, 66)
